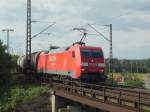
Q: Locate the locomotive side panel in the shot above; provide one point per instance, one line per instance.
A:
(60, 63)
(75, 60)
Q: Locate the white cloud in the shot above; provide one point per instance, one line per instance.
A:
(136, 15)
(132, 44)
(76, 13)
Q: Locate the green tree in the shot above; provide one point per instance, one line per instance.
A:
(14, 63)
(5, 66)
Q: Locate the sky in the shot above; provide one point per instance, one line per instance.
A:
(130, 21)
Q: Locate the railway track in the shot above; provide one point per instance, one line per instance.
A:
(131, 98)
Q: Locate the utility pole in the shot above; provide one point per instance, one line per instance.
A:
(110, 48)
(131, 67)
(111, 54)
(8, 35)
(137, 67)
(28, 37)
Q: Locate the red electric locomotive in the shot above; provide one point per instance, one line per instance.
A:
(77, 62)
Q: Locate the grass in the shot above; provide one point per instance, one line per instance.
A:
(20, 94)
(140, 76)
(131, 79)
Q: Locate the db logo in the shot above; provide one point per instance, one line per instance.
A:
(52, 58)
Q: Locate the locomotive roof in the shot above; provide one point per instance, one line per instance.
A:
(58, 50)
(63, 49)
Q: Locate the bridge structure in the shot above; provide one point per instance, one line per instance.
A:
(98, 98)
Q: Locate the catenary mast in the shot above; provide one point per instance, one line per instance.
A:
(28, 37)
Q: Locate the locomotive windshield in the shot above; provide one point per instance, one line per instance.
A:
(91, 53)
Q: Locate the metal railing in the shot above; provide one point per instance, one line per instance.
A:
(133, 99)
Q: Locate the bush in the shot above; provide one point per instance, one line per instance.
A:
(5, 67)
(134, 83)
(20, 95)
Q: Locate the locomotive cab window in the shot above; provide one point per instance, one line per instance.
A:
(73, 54)
(96, 54)
(91, 53)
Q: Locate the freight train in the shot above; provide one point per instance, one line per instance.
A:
(77, 61)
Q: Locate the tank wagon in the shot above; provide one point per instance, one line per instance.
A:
(77, 62)
(21, 64)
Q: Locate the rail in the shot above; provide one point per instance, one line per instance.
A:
(132, 99)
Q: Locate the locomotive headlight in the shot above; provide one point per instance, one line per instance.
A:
(84, 64)
(101, 70)
(101, 64)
